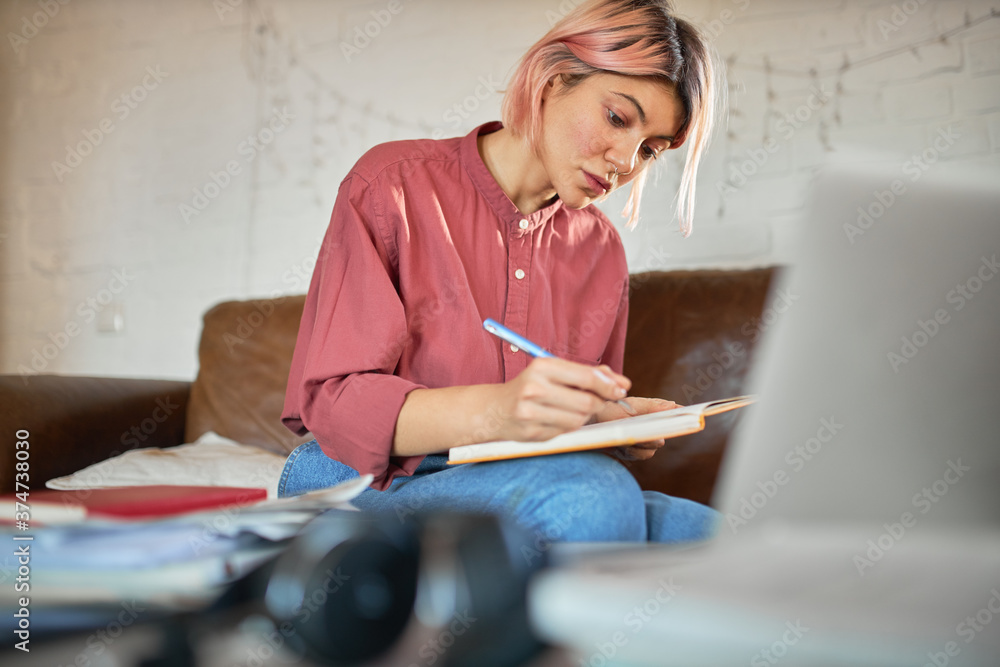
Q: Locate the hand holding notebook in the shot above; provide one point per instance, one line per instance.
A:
(627, 431)
(640, 451)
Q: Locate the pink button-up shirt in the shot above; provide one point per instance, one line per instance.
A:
(423, 245)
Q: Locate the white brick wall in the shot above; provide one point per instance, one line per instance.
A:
(106, 238)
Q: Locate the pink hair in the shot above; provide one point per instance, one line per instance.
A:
(629, 37)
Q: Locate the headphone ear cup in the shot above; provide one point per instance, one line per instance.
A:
(347, 586)
(351, 584)
(494, 561)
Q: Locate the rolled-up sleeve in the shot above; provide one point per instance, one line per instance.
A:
(341, 386)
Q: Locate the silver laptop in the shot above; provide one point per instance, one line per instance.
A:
(861, 495)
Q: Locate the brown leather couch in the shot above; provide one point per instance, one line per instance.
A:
(691, 337)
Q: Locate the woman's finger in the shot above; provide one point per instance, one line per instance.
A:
(605, 383)
(570, 400)
(652, 444)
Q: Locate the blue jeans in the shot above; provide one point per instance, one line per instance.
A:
(575, 497)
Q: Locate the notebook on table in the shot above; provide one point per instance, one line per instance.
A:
(51, 507)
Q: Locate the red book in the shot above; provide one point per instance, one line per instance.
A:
(125, 502)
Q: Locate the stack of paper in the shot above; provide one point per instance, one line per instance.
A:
(178, 562)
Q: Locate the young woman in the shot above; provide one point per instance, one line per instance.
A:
(430, 237)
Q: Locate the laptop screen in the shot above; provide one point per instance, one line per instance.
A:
(879, 380)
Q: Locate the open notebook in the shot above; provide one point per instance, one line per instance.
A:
(627, 431)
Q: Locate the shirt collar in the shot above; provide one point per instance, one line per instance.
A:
(491, 190)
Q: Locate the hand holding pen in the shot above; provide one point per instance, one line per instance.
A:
(537, 351)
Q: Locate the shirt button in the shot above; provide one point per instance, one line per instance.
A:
(514, 348)
(519, 274)
(523, 224)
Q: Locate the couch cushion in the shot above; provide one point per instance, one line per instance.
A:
(691, 338)
(209, 461)
(245, 354)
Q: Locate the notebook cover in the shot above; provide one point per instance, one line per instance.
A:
(138, 502)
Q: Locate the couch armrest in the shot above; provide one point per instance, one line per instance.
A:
(74, 421)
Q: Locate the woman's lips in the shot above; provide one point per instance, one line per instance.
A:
(597, 185)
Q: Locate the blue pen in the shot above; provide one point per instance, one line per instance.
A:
(502, 332)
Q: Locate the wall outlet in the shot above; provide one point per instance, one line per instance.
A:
(111, 318)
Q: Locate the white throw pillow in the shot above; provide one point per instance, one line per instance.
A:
(209, 461)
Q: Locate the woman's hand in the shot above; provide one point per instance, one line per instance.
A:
(552, 396)
(640, 451)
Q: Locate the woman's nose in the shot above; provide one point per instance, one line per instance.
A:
(621, 166)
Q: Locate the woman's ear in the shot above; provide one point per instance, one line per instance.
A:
(550, 86)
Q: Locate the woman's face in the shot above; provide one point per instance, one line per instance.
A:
(605, 121)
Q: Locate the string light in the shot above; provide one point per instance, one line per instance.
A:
(815, 74)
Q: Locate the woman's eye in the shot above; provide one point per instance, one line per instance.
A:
(616, 120)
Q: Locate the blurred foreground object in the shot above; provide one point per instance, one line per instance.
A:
(352, 588)
(861, 507)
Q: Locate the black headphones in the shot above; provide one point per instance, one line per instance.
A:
(433, 587)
